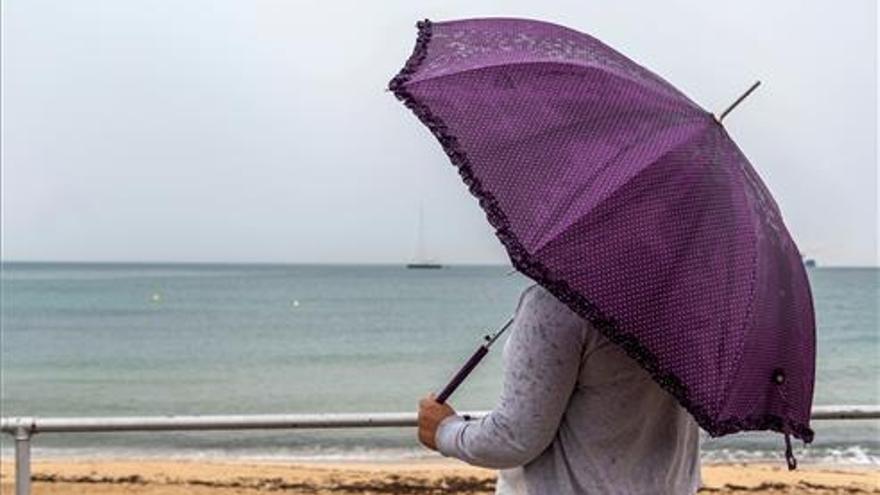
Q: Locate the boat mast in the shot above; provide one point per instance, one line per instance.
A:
(420, 243)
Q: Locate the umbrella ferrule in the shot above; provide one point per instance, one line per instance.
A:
(739, 100)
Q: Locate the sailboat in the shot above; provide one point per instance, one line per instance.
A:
(422, 262)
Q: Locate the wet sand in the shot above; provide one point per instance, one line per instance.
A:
(170, 477)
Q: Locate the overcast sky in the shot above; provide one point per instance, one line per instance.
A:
(259, 131)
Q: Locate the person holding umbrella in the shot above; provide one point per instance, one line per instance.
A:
(576, 415)
(669, 294)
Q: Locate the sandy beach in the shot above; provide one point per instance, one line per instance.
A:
(171, 477)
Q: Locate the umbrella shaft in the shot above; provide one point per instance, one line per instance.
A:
(463, 373)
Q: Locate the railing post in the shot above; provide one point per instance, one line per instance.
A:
(22, 460)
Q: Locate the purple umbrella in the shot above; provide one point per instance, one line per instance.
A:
(632, 205)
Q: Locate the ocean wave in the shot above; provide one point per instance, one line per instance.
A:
(849, 455)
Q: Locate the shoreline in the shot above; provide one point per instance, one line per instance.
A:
(432, 476)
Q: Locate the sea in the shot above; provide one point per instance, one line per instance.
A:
(162, 339)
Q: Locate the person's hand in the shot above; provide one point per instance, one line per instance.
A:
(431, 414)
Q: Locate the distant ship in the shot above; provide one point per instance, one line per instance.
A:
(421, 261)
(426, 264)
(808, 262)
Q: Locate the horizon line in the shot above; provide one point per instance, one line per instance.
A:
(301, 263)
(269, 263)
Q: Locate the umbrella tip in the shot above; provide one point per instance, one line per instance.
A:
(739, 100)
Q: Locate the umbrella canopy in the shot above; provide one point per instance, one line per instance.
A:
(632, 205)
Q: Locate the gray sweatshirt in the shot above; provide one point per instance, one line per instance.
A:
(576, 415)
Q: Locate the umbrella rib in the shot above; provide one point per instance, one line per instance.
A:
(672, 148)
(676, 96)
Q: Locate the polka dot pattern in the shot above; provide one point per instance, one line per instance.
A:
(632, 205)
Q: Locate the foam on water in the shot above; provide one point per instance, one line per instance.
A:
(853, 455)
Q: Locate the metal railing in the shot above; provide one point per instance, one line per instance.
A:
(24, 428)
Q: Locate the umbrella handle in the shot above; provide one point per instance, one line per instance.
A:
(462, 373)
